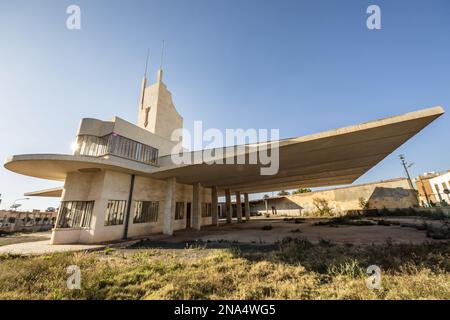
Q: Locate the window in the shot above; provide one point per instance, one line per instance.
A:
(206, 209)
(179, 211)
(437, 190)
(75, 214)
(146, 211)
(115, 212)
(116, 145)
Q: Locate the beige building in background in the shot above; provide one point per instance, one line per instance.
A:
(36, 220)
(120, 182)
(389, 194)
(434, 188)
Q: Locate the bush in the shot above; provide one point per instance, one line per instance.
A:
(438, 233)
(352, 220)
(323, 207)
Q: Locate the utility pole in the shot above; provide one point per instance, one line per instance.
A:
(406, 165)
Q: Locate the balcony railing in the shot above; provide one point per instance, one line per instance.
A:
(114, 144)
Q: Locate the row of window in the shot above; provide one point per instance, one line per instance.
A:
(45, 220)
(117, 145)
(79, 213)
(444, 188)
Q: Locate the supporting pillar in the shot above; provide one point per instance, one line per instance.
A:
(228, 207)
(169, 206)
(238, 206)
(214, 207)
(196, 207)
(247, 207)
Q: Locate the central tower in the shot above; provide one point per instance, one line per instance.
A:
(156, 112)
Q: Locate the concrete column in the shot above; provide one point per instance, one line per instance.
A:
(214, 209)
(238, 206)
(247, 207)
(196, 207)
(228, 207)
(169, 206)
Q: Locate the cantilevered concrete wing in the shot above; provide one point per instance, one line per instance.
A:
(329, 158)
(52, 193)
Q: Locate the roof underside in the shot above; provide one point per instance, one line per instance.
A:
(52, 193)
(332, 158)
(329, 158)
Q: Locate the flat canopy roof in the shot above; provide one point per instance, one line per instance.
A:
(52, 193)
(328, 158)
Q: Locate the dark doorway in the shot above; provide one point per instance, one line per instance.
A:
(188, 215)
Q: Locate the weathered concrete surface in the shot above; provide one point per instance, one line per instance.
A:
(157, 113)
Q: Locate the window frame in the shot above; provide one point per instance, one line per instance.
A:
(180, 215)
(115, 205)
(150, 216)
(75, 214)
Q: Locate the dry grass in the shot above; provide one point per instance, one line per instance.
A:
(298, 270)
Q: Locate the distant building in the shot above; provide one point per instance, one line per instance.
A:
(390, 194)
(434, 189)
(26, 221)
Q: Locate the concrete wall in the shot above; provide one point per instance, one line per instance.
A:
(111, 185)
(163, 118)
(394, 193)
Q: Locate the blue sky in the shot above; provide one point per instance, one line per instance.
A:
(301, 66)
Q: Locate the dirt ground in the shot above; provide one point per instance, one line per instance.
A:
(252, 232)
(259, 233)
(20, 237)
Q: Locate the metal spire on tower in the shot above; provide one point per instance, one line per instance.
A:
(160, 72)
(146, 62)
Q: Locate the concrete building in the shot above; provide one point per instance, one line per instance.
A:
(35, 220)
(389, 194)
(434, 189)
(121, 180)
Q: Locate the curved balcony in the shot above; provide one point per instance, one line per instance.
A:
(116, 145)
